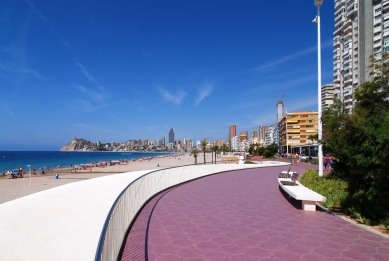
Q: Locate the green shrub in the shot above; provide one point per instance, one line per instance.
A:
(385, 223)
(314, 162)
(334, 189)
(304, 160)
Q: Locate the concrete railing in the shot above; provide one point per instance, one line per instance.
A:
(138, 192)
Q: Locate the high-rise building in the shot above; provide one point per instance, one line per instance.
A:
(231, 133)
(188, 144)
(362, 29)
(262, 134)
(328, 94)
(163, 141)
(254, 134)
(243, 135)
(206, 140)
(171, 136)
(280, 110)
(235, 143)
(269, 135)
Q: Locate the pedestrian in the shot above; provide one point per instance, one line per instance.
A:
(326, 162)
(295, 158)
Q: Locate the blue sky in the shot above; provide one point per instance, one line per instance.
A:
(121, 70)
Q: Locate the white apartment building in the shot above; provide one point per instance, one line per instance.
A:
(362, 29)
(244, 145)
(188, 144)
(328, 93)
(198, 144)
(269, 135)
(235, 143)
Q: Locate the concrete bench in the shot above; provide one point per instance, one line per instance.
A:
(299, 192)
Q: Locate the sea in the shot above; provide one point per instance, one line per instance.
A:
(10, 160)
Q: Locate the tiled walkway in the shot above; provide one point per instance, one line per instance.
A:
(243, 215)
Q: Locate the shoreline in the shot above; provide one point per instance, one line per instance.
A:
(52, 163)
(11, 189)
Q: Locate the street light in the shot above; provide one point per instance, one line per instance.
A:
(318, 3)
(29, 169)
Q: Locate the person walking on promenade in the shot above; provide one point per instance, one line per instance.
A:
(327, 162)
(295, 158)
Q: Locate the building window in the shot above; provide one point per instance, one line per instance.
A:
(386, 41)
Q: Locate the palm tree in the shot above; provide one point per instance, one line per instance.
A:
(215, 149)
(224, 148)
(195, 153)
(212, 155)
(204, 148)
(313, 137)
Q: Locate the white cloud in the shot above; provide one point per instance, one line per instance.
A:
(167, 96)
(90, 94)
(205, 90)
(86, 73)
(14, 68)
(292, 56)
(114, 117)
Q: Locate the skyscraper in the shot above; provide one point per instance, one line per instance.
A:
(231, 133)
(233, 130)
(280, 110)
(262, 134)
(362, 29)
(254, 134)
(171, 136)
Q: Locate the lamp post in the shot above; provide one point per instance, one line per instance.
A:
(29, 169)
(318, 3)
(286, 134)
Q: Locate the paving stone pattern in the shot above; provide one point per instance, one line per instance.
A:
(243, 215)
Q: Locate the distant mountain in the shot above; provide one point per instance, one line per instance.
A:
(79, 145)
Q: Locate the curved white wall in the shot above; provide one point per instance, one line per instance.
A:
(65, 223)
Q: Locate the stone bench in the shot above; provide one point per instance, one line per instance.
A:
(299, 192)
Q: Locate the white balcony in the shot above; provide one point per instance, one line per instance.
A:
(348, 80)
(385, 6)
(348, 28)
(348, 101)
(377, 29)
(376, 38)
(352, 9)
(347, 73)
(377, 45)
(339, 20)
(338, 3)
(336, 41)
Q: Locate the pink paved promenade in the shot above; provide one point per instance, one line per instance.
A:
(243, 215)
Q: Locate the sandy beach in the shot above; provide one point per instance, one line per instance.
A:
(11, 189)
